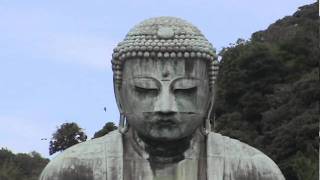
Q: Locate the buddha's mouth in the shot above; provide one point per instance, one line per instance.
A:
(166, 122)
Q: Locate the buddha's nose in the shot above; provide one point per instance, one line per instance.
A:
(165, 103)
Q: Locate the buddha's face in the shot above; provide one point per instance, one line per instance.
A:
(165, 99)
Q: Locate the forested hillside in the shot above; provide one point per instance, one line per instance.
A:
(268, 90)
(20, 166)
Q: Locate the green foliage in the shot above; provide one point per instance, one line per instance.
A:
(68, 134)
(20, 166)
(108, 127)
(268, 91)
(306, 168)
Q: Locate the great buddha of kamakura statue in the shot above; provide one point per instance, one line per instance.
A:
(164, 80)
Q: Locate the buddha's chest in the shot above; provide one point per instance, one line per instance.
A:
(187, 169)
(141, 163)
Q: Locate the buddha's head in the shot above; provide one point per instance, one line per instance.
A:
(164, 73)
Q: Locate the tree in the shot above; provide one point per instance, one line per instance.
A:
(68, 134)
(267, 93)
(21, 166)
(108, 127)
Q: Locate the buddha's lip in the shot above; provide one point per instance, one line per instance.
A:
(167, 122)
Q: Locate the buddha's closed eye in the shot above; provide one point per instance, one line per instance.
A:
(146, 85)
(185, 85)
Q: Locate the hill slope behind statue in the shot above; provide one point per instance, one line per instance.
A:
(267, 92)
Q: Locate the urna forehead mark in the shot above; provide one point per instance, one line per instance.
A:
(170, 68)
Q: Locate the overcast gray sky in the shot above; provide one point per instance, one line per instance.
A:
(55, 56)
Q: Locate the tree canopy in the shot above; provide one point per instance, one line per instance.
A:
(108, 127)
(68, 134)
(21, 166)
(268, 90)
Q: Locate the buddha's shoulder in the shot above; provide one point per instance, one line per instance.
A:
(240, 159)
(83, 159)
(226, 146)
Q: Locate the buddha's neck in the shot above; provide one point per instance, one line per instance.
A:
(164, 152)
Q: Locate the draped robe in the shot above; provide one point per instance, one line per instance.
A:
(102, 159)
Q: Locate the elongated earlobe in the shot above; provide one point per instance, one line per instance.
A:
(123, 125)
(207, 125)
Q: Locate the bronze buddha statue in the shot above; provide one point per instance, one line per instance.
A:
(164, 75)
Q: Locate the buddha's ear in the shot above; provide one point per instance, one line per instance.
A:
(116, 89)
(208, 125)
(123, 125)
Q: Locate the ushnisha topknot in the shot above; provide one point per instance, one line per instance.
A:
(164, 37)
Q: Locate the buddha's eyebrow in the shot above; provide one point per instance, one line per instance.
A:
(178, 78)
(187, 77)
(143, 76)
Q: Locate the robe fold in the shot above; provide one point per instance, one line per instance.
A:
(102, 159)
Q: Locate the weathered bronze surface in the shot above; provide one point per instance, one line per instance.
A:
(164, 74)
